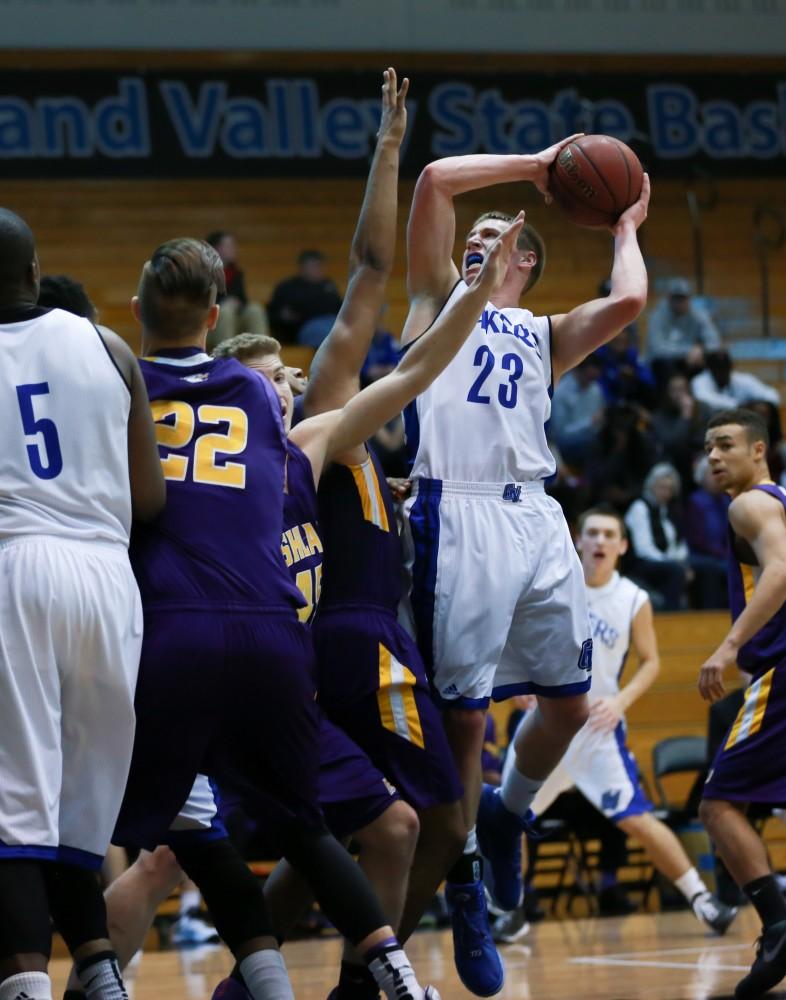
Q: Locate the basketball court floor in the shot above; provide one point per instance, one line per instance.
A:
(648, 957)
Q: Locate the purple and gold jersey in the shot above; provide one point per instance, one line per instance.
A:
(223, 451)
(300, 541)
(767, 648)
(363, 557)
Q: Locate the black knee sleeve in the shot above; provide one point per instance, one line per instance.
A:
(339, 885)
(76, 903)
(24, 909)
(232, 893)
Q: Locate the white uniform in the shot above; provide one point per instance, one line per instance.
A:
(199, 815)
(600, 765)
(496, 586)
(70, 614)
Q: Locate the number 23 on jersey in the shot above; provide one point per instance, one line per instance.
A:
(508, 391)
(176, 423)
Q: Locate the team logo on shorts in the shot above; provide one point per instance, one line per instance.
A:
(585, 656)
(610, 801)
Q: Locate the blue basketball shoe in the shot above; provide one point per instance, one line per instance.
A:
(477, 960)
(499, 842)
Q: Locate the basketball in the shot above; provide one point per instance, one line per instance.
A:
(594, 179)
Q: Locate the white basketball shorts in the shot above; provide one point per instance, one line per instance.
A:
(603, 769)
(70, 639)
(198, 819)
(497, 592)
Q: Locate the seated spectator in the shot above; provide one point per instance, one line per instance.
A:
(622, 455)
(304, 307)
(679, 332)
(382, 355)
(624, 378)
(721, 388)
(577, 412)
(707, 535)
(661, 555)
(678, 425)
(237, 314)
(58, 291)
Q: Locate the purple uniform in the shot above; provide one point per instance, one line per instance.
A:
(371, 678)
(352, 792)
(750, 765)
(226, 682)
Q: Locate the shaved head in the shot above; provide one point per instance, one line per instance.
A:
(18, 264)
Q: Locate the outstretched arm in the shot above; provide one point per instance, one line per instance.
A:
(431, 231)
(337, 364)
(332, 435)
(587, 327)
(760, 520)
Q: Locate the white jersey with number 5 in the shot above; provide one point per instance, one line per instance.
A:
(64, 412)
(483, 419)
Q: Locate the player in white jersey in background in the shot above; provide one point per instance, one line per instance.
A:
(598, 761)
(497, 589)
(79, 457)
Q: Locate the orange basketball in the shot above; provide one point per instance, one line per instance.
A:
(594, 179)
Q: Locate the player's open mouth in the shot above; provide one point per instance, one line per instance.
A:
(473, 259)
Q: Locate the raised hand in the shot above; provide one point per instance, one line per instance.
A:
(544, 159)
(495, 265)
(393, 123)
(637, 212)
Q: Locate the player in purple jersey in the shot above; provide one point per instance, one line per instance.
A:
(226, 679)
(751, 765)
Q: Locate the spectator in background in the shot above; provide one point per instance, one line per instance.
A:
(622, 456)
(679, 424)
(577, 412)
(661, 555)
(721, 388)
(679, 332)
(304, 307)
(707, 535)
(382, 356)
(58, 291)
(237, 314)
(624, 378)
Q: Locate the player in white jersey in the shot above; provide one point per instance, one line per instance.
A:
(79, 457)
(598, 761)
(497, 589)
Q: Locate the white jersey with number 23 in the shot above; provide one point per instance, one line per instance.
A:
(483, 419)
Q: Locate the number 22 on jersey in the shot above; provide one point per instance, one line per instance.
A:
(508, 392)
(176, 422)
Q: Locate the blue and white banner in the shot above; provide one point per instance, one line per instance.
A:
(154, 124)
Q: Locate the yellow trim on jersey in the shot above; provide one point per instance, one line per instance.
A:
(751, 715)
(748, 583)
(365, 477)
(398, 709)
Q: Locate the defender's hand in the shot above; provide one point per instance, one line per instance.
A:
(711, 685)
(393, 123)
(495, 266)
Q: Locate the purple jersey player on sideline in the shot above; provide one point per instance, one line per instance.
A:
(226, 677)
(751, 765)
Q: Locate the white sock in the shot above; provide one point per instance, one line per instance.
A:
(518, 791)
(189, 900)
(395, 976)
(101, 979)
(265, 975)
(471, 844)
(690, 885)
(32, 985)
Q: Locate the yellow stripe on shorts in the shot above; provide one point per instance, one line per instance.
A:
(751, 715)
(365, 477)
(396, 699)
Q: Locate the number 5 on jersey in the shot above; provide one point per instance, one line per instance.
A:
(176, 422)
